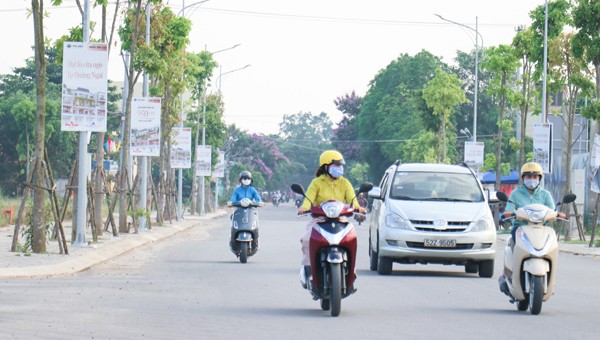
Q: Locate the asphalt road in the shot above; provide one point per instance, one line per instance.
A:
(191, 286)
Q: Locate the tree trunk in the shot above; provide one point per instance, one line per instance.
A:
(444, 138)
(99, 184)
(195, 191)
(525, 92)
(39, 224)
(123, 182)
(572, 107)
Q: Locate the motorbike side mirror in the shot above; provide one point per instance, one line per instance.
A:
(365, 187)
(502, 196)
(298, 189)
(569, 198)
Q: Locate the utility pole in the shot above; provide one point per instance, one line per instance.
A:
(82, 198)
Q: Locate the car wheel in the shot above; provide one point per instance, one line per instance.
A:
(486, 268)
(471, 268)
(373, 257)
(385, 266)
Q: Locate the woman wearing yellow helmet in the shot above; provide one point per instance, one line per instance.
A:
(529, 192)
(328, 184)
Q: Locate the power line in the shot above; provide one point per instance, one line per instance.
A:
(335, 19)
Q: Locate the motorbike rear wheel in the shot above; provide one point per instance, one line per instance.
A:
(244, 252)
(325, 304)
(335, 288)
(536, 294)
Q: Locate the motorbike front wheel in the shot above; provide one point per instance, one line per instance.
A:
(536, 294)
(335, 289)
(244, 252)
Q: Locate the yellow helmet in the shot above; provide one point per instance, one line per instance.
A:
(331, 157)
(531, 168)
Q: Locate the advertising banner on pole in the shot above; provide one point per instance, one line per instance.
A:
(220, 167)
(84, 87)
(145, 126)
(542, 146)
(474, 154)
(203, 156)
(595, 165)
(181, 148)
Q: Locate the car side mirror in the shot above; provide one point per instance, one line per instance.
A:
(375, 193)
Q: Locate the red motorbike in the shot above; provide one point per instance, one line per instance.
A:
(332, 249)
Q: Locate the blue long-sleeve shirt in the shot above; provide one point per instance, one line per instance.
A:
(245, 192)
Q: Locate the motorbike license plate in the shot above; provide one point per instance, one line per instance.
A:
(440, 243)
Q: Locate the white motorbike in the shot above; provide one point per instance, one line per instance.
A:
(530, 260)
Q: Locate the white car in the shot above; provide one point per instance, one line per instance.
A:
(431, 213)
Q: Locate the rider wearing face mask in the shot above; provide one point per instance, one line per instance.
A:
(329, 184)
(245, 189)
(528, 193)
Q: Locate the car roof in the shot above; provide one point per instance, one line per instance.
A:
(433, 167)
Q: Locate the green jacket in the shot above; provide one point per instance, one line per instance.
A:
(521, 196)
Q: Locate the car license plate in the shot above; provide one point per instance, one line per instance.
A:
(440, 243)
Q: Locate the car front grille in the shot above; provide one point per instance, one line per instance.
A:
(452, 226)
(421, 245)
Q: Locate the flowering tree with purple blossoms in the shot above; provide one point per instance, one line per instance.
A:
(345, 136)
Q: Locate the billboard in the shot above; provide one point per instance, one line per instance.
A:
(203, 160)
(181, 148)
(542, 146)
(474, 154)
(84, 87)
(220, 167)
(145, 126)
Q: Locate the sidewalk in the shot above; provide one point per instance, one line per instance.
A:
(20, 265)
(576, 249)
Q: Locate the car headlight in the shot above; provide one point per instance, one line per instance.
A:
(396, 221)
(332, 209)
(483, 224)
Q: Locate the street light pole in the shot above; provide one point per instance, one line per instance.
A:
(476, 88)
(544, 113)
(202, 187)
(219, 88)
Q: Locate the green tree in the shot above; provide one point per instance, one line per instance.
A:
(393, 109)
(345, 136)
(199, 69)
(304, 137)
(586, 44)
(502, 63)
(443, 94)
(558, 17)
(524, 49)
(575, 77)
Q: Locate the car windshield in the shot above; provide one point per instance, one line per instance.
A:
(435, 186)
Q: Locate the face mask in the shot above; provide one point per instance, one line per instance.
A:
(246, 182)
(336, 171)
(531, 183)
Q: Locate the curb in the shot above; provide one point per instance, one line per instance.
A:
(104, 253)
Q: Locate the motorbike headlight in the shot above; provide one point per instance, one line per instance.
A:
(536, 215)
(332, 209)
(396, 221)
(245, 202)
(483, 224)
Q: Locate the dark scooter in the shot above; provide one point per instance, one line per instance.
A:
(332, 249)
(244, 228)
